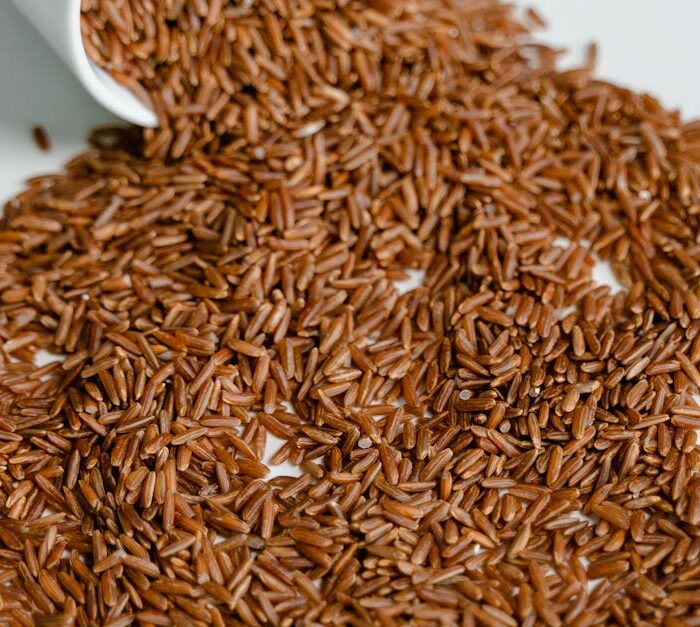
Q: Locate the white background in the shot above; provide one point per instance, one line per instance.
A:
(646, 44)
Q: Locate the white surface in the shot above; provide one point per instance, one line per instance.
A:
(58, 21)
(37, 88)
(648, 45)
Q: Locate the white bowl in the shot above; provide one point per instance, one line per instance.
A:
(58, 21)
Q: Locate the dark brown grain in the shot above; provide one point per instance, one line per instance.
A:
(41, 138)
